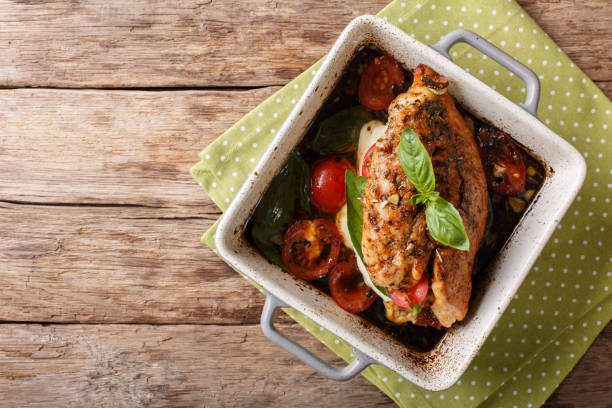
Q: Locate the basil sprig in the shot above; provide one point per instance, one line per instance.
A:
(416, 162)
(445, 224)
(443, 220)
(355, 188)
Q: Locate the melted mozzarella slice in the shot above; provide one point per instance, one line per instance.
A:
(368, 281)
(369, 134)
(342, 224)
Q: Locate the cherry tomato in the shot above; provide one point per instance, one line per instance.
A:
(311, 248)
(348, 288)
(400, 298)
(366, 161)
(327, 183)
(419, 291)
(416, 294)
(503, 164)
(378, 81)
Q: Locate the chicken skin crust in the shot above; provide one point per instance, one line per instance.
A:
(396, 244)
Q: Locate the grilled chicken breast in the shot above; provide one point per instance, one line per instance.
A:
(396, 245)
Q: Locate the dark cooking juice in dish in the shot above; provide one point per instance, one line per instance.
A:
(505, 211)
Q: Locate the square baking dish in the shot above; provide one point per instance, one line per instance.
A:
(441, 367)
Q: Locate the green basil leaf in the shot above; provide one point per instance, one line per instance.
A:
(445, 224)
(416, 199)
(355, 188)
(416, 162)
(423, 198)
(382, 290)
(340, 133)
(416, 309)
(443, 220)
(277, 207)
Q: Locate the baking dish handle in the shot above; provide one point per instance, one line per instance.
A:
(527, 75)
(339, 374)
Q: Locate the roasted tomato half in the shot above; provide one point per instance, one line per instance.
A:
(327, 190)
(502, 161)
(416, 294)
(365, 169)
(311, 248)
(348, 288)
(379, 81)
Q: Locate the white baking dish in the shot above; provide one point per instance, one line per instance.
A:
(442, 367)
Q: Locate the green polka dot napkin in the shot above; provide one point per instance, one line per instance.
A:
(564, 302)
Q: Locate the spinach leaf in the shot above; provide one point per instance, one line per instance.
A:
(416, 162)
(355, 188)
(277, 207)
(445, 224)
(340, 133)
(302, 173)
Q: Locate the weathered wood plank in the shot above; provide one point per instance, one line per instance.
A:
(168, 43)
(154, 268)
(225, 366)
(112, 147)
(115, 147)
(222, 43)
(159, 366)
(69, 264)
(115, 265)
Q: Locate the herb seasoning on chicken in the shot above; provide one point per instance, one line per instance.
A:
(397, 247)
(338, 213)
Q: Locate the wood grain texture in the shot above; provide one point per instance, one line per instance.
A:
(128, 250)
(100, 221)
(166, 366)
(212, 366)
(203, 43)
(142, 264)
(112, 147)
(116, 265)
(116, 147)
(108, 43)
(101, 261)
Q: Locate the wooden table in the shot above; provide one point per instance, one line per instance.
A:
(108, 298)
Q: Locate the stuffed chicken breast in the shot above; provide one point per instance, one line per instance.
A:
(398, 250)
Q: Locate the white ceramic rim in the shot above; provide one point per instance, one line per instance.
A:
(443, 366)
